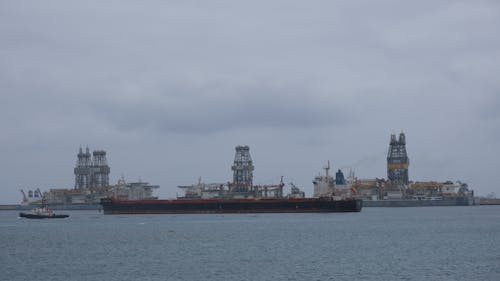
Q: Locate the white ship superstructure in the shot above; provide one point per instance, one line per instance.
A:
(327, 186)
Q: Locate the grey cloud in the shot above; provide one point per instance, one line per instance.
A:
(257, 107)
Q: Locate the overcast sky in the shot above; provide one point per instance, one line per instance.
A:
(169, 88)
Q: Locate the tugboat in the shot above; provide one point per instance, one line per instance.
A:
(42, 213)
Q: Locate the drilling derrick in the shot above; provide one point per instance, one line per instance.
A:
(83, 169)
(242, 169)
(91, 172)
(100, 175)
(397, 161)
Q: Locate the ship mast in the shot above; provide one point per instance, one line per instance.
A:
(327, 168)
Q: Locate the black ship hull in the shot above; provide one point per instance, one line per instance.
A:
(210, 206)
(42, 216)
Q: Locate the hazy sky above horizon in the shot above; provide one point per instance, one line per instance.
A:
(169, 88)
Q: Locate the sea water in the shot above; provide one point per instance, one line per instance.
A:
(427, 243)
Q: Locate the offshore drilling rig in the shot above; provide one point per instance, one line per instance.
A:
(242, 184)
(91, 184)
(399, 191)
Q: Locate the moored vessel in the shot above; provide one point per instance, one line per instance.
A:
(238, 196)
(253, 205)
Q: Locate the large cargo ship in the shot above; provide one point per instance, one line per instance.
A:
(238, 196)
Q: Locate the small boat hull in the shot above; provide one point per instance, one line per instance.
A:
(42, 216)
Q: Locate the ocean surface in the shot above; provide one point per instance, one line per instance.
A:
(426, 243)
